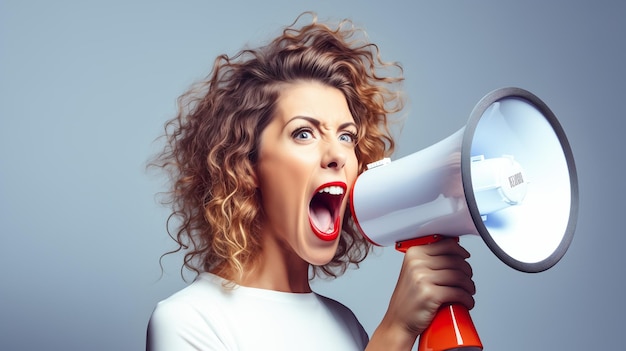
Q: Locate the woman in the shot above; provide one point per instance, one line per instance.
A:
(262, 155)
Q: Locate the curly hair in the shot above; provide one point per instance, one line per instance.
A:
(212, 143)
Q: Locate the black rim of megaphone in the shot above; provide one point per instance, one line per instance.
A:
(479, 110)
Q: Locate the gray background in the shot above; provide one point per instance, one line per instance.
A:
(85, 87)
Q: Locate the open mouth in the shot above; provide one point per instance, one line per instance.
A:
(324, 210)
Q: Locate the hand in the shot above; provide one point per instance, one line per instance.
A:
(431, 275)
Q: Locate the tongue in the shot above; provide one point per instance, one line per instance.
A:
(320, 215)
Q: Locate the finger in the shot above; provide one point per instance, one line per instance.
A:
(436, 296)
(438, 259)
(455, 279)
(420, 276)
(455, 295)
(439, 263)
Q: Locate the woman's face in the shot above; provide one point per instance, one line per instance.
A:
(306, 166)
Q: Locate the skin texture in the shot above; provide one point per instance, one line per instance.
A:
(310, 143)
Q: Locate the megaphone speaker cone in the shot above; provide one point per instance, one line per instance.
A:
(535, 231)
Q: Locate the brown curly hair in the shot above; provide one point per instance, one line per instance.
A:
(212, 143)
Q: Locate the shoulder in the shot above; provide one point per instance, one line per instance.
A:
(192, 298)
(349, 319)
(187, 319)
(199, 300)
(337, 307)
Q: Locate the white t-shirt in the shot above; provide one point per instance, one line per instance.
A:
(206, 316)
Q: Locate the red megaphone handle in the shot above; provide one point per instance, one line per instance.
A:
(452, 327)
(404, 245)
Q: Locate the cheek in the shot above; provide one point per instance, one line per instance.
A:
(354, 166)
(282, 184)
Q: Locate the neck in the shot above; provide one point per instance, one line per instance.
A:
(278, 268)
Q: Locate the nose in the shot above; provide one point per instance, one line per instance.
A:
(335, 156)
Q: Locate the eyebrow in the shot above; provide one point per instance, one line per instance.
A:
(317, 123)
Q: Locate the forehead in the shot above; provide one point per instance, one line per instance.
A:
(312, 99)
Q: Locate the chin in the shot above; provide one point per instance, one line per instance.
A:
(321, 255)
(321, 262)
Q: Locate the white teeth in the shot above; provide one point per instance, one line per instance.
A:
(333, 190)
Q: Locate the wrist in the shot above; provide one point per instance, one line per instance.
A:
(391, 337)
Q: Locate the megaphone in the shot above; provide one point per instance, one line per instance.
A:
(507, 176)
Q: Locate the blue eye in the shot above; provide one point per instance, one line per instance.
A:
(303, 134)
(348, 137)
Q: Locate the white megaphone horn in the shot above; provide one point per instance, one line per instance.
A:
(508, 176)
